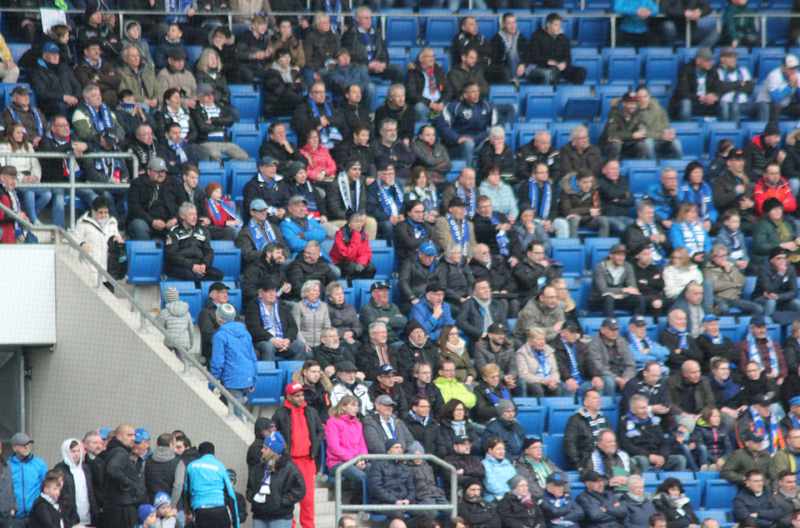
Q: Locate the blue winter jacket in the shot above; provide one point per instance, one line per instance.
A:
(208, 485)
(233, 358)
(28, 476)
(665, 208)
(677, 239)
(291, 231)
(511, 433)
(423, 312)
(631, 23)
(497, 476)
(702, 198)
(459, 118)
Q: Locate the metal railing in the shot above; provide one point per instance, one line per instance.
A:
(377, 508)
(71, 168)
(60, 235)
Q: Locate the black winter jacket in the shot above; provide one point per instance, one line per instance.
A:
(358, 51)
(643, 439)
(498, 275)
(408, 355)
(406, 243)
(470, 320)
(281, 97)
(428, 435)
(303, 119)
(456, 279)
(514, 514)
(408, 389)
(337, 210)
(389, 482)
(256, 327)
(579, 441)
(300, 271)
(281, 155)
(745, 502)
(485, 233)
(602, 510)
(616, 196)
(415, 84)
(52, 83)
(123, 485)
(413, 279)
(569, 511)
(545, 48)
(638, 512)
(221, 123)
(674, 518)
(286, 488)
(686, 87)
(257, 271)
(45, 515)
(484, 408)
(142, 206)
(404, 116)
(480, 513)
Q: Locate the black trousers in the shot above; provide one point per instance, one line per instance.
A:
(349, 272)
(116, 516)
(212, 274)
(218, 517)
(607, 303)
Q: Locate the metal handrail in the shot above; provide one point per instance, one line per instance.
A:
(72, 185)
(339, 507)
(145, 316)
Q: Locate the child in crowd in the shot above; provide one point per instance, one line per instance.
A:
(720, 163)
(167, 516)
(710, 441)
(133, 37)
(177, 320)
(173, 39)
(148, 516)
(428, 491)
(733, 239)
(130, 115)
(45, 512)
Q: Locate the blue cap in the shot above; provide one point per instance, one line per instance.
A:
(141, 435)
(710, 317)
(161, 499)
(50, 47)
(795, 401)
(275, 442)
(426, 248)
(145, 511)
(104, 433)
(258, 205)
(758, 320)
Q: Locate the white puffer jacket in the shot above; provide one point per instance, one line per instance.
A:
(88, 230)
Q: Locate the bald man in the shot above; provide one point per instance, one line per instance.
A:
(123, 486)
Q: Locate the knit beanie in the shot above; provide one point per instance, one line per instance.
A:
(226, 312)
(171, 294)
(161, 499)
(145, 511)
(514, 481)
(503, 405)
(275, 442)
(390, 443)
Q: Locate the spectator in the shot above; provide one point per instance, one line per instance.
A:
(164, 472)
(357, 148)
(27, 474)
(278, 148)
(416, 229)
(330, 353)
(493, 269)
(177, 153)
(616, 197)
(544, 313)
(188, 252)
(649, 279)
(56, 88)
(733, 240)
(532, 273)
(735, 83)
(272, 325)
(785, 496)
(351, 196)
(417, 351)
(175, 76)
(258, 234)
(679, 336)
(344, 317)
(123, 486)
(773, 185)
(733, 191)
(276, 470)
(565, 300)
(298, 229)
(582, 207)
(751, 456)
(550, 51)
(478, 312)
(600, 506)
(759, 347)
(641, 511)
(478, 510)
(369, 49)
(345, 440)
(28, 170)
(489, 392)
(9, 72)
(345, 383)
(536, 468)
(321, 166)
(762, 150)
(94, 229)
(177, 321)
(283, 86)
(385, 198)
(317, 386)
(454, 228)
(351, 250)
(212, 122)
(301, 428)
(450, 387)
(467, 71)
(172, 39)
(151, 210)
(469, 38)
(538, 193)
(583, 429)
(142, 145)
(47, 511)
(207, 320)
(777, 95)
(671, 501)
(664, 197)
(509, 59)
(537, 366)
(309, 267)
(642, 347)
(637, 29)
(615, 463)
(21, 111)
(688, 232)
(423, 428)
(689, 394)
(374, 352)
(385, 383)
(233, 358)
(576, 368)
(133, 37)
(415, 273)
(94, 71)
(613, 290)
(557, 507)
(452, 348)
(727, 283)
(207, 480)
(579, 154)
(728, 393)
(353, 111)
(499, 194)
(379, 309)
(790, 348)
(753, 501)
(498, 467)
(712, 441)
(517, 508)
(172, 111)
(695, 94)
(308, 116)
(776, 284)
(677, 13)
(465, 124)
(642, 437)
(283, 38)
(454, 275)
(435, 159)
(383, 425)
(496, 156)
(427, 87)
(390, 481)
(625, 132)
(782, 465)
(265, 186)
(311, 315)
(696, 191)
(645, 232)
(679, 273)
(611, 354)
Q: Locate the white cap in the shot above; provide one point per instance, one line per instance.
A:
(791, 61)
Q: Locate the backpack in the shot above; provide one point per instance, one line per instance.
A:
(117, 265)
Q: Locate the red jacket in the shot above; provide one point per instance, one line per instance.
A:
(318, 160)
(782, 193)
(357, 250)
(223, 215)
(6, 224)
(301, 442)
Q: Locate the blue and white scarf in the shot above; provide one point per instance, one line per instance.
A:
(773, 436)
(344, 190)
(470, 200)
(307, 192)
(99, 63)
(177, 6)
(694, 237)
(423, 421)
(177, 148)
(328, 134)
(430, 268)
(225, 206)
(543, 370)
(716, 340)
(597, 461)
(419, 228)
(752, 350)
(463, 238)
(271, 321)
(213, 112)
(657, 251)
(15, 206)
(541, 206)
(368, 38)
(313, 306)
(391, 206)
(335, 8)
(632, 422)
(573, 362)
(39, 126)
(102, 120)
(700, 197)
(258, 238)
(180, 117)
(501, 236)
(684, 336)
(640, 344)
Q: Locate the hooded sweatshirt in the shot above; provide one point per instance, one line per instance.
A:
(139, 44)
(81, 486)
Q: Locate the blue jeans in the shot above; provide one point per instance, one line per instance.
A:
(506, 112)
(454, 5)
(295, 352)
(732, 111)
(35, 201)
(618, 224)
(58, 208)
(422, 113)
(702, 37)
(466, 150)
(687, 454)
(748, 307)
(663, 149)
(687, 110)
(238, 395)
(352, 473)
(369, 96)
(277, 523)
(387, 230)
(140, 230)
(770, 305)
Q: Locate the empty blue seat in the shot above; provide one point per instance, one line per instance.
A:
(640, 178)
(401, 31)
(660, 69)
(249, 105)
(145, 261)
(440, 30)
(214, 175)
(573, 259)
(539, 105)
(693, 142)
(592, 63)
(527, 25)
(239, 179)
(768, 60)
(532, 419)
(227, 259)
(554, 449)
(591, 325)
(624, 68)
(557, 416)
(192, 54)
(719, 494)
(582, 108)
(594, 31)
(248, 140)
(715, 135)
(188, 294)
(269, 385)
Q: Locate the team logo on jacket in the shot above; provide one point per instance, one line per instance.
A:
(467, 114)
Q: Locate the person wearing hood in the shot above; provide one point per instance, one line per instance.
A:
(177, 321)
(345, 440)
(133, 37)
(479, 511)
(754, 501)
(283, 86)
(233, 358)
(262, 430)
(425, 486)
(78, 502)
(56, 88)
(300, 426)
(517, 508)
(123, 486)
(557, 507)
(317, 386)
(537, 469)
(164, 471)
(92, 231)
(637, 501)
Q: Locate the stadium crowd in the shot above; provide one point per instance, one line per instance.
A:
(436, 368)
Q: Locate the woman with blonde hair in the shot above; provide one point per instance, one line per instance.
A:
(679, 272)
(209, 70)
(344, 437)
(28, 170)
(688, 232)
(564, 299)
(311, 315)
(453, 348)
(275, 485)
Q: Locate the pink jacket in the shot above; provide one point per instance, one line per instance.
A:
(345, 440)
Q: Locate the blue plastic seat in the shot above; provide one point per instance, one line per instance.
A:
(693, 142)
(640, 178)
(383, 260)
(532, 419)
(541, 105)
(561, 131)
(721, 516)
(402, 31)
(439, 30)
(248, 138)
(586, 108)
(660, 69)
(227, 259)
(573, 259)
(591, 325)
(188, 294)
(554, 449)
(593, 64)
(623, 67)
(214, 175)
(557, 417)
(591, 243)
(716, 135)
(768, 60)
(719, 494)
(594, 31)
(239, 179)
(234, 294)
(145, 262)
(269, 385)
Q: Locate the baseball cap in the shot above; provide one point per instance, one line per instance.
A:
(776, 251)
(386, 370)
(157, 164)
(176, 53)
(457, 202)
(104, 433)
(20, 90)
(267, 160)
(294, 200)
(385, 164)
(380, 285)
(704, 54)
(218, 286)
(590, 475)
(384, 399)
(617, 248)
(556, 478)
(610, 322)
(141, 435)
(629, 97)
(461, 439)
(497, 328)
(426, 248)
(638, 320)
(763, 399)
(752, 436)
(758, 320)
(294, 387)
(258, 205)
(728, 52)
(21, 439)
(573, 326)
(50, 47)
(204, 88)
(710, 317)
(791, 61)
(735, 154)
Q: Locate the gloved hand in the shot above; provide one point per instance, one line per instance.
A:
(360, 267)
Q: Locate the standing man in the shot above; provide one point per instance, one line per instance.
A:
(233, 358)
(302, 430)
(209, 493)
(27, 473)
(123, 486)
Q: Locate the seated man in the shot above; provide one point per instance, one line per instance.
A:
(389, 149)
(391, 481)
(267, 187)
(347, 383)
(679, 341)
(611, 354)
(257, 233)
(454, 228)
(92, 118)
(582, 207)
(374, 353)
(385, 199)
(575, 366)
(693, 98)
(535, 467)
(357, 146)
(541, 195)
(664, 197)
(349, 194)
(641, 436)
(151, 209)
(56, 88)
(427, 87)
(454, 275)
(432, 312)
(542, 312)
(451, 388)
(423, 427)
(268, 265)
(174, 75)
(538, 150)
(395, 107)
(689, 394)
(660, 140)
(479, 312)
(464, 188)
(643, 349)
(379, 309)
(272, 326)
(579, 154)
(625, 131)
(727, 283)
(550, 52)
(383, 425)
(777, 95)
(315, 113)
(309, 265)
(616, 196)
(207, 320)
(736, 84)
(464, 125)
(646, 231)
(762, 150)
(755, 502)
(751, 455)
(212, 123)
(136, 76)
(415, 274)
(319, 46)
(278, 148)
(495, 230)
(614, 463)
(776, 285)
(680, 12)
(175, 151)
(614, 285)
(419, 380)
(533, 272)
(143, 146)
(368, 48)
(771, 184)
(733, 191)
(93, 70)
(187, 252)
(298, 228)
(509, 59)
(31, 118)
(759, 347)
(493, 269)
(637, 24)
(347, 74)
